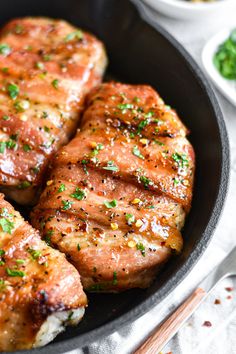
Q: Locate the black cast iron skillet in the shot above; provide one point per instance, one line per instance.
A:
(144, 53)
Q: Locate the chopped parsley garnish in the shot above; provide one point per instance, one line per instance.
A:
(149, 114)
(2, 147)
(96, 150)
(46, 129)
(24, 185)
(146, 181)
(14, 272)
(20, 261)
(79, 194)
(39, 65)
(26, 147)
(130, 218)
(34, 253)
(62, 188)
(142, 125)
(141, 248)
(55, 83)
(19, 28)
(5, 49)
(111, 204)
(13, 91)
(176, 181)
(66, 204)
(47, 237)
(5, 70)
(159, 142)
(111, 167)
(74, 35)
(114, 281)
(21, 106)
(84, 163)
(137, 153)
(78, 247)
(47, 57)
(124, 106)
(180, 159)
(5, 117)
(2, 252)
(6, 225)
(136, 99)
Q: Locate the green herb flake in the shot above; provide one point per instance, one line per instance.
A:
(47, 57)
(145, 181)
(142, 125)
(137, 153)
(124, 106)
(2, 252)
(14, 273)
(46, 129)
(180, 159)
(2, 147)
(74, 35)
(20, 261)
(136, 99)
(35, 254)
(130, 218)
(5, 70)
(13, 91)
(24, 185)
(111, 167)
(5, 49)
(158, 142)
(26, 147)
(47, 237)
(111, 204)
(6, 225)
(66, 204)
(39, 65)
(5, 117)
(78, 247)
(140, 247)
(62, 188)
(114, 281)
(55, 83)
(79, 194)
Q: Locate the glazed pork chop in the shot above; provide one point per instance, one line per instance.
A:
(118, 193)
(46, 68)
(40, 292)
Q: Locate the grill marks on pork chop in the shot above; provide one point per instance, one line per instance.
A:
(37, 285)
(46, 68)
(118, 192)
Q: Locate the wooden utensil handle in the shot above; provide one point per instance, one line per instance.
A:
(169, 328)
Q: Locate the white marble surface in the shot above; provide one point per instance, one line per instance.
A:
(193, 337)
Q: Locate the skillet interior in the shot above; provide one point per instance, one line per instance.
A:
(138, 53)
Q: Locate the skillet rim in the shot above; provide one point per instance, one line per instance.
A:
(84, 339)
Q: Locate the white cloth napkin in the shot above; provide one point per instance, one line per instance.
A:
(193, 338)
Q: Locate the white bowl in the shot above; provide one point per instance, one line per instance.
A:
(226, 87)
(189, 10)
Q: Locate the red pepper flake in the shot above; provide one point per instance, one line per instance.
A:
(207, 324)
(229, 289)
(229, 297)
(217, 302)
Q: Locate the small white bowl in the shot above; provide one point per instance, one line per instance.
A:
(189, 10)
(226, 87)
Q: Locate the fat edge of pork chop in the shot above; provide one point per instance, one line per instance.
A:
(40, 291)
(46, 68)
(119, 192)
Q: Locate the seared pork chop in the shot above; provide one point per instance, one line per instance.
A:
(40, 292)
(46, 68)
(118, 193)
